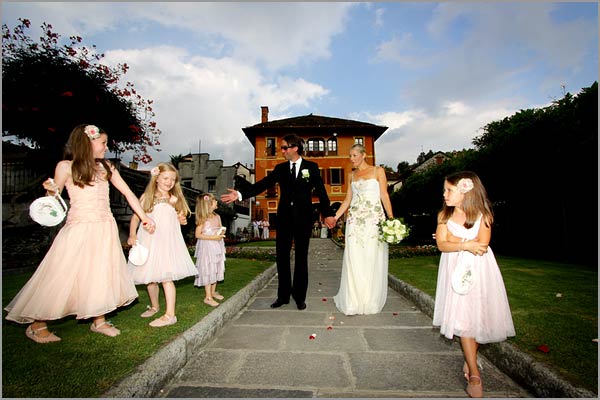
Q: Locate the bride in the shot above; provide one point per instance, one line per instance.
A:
(363, 286)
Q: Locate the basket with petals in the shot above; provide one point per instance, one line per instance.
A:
(393, 230)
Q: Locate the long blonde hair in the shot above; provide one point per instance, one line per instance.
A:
(148, 198)
(475, 201)
(203, 207)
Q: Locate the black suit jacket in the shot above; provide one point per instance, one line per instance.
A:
(296, 194)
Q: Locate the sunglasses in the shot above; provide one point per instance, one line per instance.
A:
(288, 147)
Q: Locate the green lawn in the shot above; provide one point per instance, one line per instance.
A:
(566, 324)
(257, 243)
(86, 364)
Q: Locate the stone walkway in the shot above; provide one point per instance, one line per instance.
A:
(264, 352)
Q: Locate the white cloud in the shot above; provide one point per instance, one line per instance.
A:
(413, 131)
(207, 100)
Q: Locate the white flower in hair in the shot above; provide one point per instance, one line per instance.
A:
(92, 131)
(464, 185)
(155, 171)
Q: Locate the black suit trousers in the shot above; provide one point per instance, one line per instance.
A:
(297, 232)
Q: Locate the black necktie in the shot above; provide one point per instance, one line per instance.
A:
(293, 170)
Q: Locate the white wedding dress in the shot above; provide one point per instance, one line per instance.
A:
(364, 281)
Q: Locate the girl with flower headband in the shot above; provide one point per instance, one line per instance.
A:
(84, 272)
(168, 257)
(210, 248)
(470, 299)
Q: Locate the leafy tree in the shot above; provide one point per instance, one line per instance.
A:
(402, 167)
(48, 89)
(176, 159)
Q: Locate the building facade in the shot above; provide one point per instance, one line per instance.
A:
(327, 142)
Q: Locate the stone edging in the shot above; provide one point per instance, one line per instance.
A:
(158, 370)
(532, 375)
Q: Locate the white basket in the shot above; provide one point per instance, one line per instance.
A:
(48, 210)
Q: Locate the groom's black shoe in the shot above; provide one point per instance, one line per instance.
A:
(278, 303)
(301, 306)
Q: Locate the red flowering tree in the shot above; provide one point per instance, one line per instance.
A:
(48, 89)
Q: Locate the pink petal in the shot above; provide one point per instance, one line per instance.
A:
(329, 328)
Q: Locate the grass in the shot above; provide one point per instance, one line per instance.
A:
(258, 243)
(565, 324)
(86, 364)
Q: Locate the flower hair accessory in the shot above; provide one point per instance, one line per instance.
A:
(206, 198)
(92, 132)
(465, 185)
(155, 171)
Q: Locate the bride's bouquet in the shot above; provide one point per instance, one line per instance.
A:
(393, 230)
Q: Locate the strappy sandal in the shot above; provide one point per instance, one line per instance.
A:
(475, 389)
(210, 302)
(35, 336)
(110, 330)
(149, 312)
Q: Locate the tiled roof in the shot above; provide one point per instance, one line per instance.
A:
(314, 123)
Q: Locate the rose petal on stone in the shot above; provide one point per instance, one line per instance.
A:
(332, 317)
(342, 322)
(311, 337)
(543, 348)
(558, 294)
(324, 299)
(329, 327)
(394, 314)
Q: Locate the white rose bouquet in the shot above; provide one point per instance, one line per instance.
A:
(393, 230)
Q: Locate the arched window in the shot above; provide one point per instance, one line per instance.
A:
(332, 146)
(315, 147)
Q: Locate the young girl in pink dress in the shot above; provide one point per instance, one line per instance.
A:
(168, 257)
(480, 314)
(84, 272)
(210, 248)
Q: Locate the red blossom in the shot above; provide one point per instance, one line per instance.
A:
(543, 348)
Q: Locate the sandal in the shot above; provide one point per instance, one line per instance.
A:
(109, 331)
(149, 312)
(210, 302)
(218, 296)
(475, 389)
(35, 336)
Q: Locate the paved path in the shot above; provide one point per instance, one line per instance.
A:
(265, 352)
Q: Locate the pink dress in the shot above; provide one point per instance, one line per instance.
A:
(84, 272)
(168, 255)
(483, 313)
(210, 255)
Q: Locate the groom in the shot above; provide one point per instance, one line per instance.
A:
(297, 179)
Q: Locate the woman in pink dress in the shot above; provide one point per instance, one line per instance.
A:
(472, 304)
(84, 272)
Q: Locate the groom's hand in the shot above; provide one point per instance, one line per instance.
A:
(330, 222)
(229, 197)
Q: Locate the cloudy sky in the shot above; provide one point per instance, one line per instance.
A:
(434, 73)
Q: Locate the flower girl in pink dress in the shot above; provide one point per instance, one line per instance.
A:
(210, 248)
(168, 256)
(471, 304)
(84, 272)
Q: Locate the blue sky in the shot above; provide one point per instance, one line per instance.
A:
(435, 73)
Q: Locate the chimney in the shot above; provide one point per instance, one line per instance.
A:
(264, 114)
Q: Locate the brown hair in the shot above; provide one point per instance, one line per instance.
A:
(79, 150)
(475, 201)
(148, 199)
